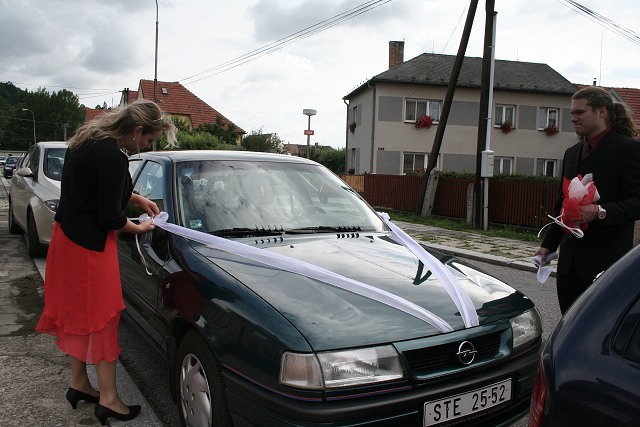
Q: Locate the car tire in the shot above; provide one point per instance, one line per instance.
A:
(199, 385)
(13, 227)
(36, 249)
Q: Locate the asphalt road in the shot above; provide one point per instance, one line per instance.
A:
(21, 348)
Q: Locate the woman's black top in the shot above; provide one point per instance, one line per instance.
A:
(95, 189)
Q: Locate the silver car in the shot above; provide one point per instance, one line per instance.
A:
(35, 193)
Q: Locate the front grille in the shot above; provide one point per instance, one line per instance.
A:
(442, 359)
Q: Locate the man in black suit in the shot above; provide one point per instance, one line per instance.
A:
(608, 150)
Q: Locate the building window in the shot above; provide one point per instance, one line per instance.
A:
(416, 108)
(505, 114)
(547, 117)
(503, 165)
(547, 167)
(414, 162)
(354, 115)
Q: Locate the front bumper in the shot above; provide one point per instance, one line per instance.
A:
(252, 405)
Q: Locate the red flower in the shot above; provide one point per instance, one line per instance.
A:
(551, 130)
(424, 122)
(571, 205)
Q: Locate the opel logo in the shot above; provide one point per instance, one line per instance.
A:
(466, 353)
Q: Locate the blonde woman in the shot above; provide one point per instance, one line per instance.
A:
(82, 288)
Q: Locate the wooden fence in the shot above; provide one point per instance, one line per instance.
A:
(523, 204)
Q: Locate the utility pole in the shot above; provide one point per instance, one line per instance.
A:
(484, 114)
(446, 108)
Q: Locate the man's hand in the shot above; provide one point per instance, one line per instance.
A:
(588, 213)
(543, 252)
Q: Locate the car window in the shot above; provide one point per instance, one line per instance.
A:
(627, 339)
(133, 167)
(53, 162)
(31, 160)
(149, 183)
(223, 195)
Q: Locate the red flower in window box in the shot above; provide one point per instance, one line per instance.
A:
(506, 127)
(551, 130)
(424, 122)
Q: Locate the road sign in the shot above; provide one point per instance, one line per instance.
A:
(308, 132)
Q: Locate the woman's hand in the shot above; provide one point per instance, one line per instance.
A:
(147, 205)
(143, 227)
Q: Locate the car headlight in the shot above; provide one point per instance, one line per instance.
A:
(341, 368)
(52, 204)
(526, 328)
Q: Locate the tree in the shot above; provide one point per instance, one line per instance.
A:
(329, 157)
(264, 142)
(56, 115)
(202, 141)
(226, 133)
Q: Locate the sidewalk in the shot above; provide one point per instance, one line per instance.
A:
(493, 250)
(34, 374)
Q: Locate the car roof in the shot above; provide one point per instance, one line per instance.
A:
(52, 144)
(190, 155)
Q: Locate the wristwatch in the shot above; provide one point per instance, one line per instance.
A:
(602, 212)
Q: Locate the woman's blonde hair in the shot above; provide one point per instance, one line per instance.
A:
(121, 121)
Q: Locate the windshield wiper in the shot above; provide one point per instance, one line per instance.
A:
(323, 229)
(247, 232)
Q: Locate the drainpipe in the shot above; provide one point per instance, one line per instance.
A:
(346, 139)
(373, 125)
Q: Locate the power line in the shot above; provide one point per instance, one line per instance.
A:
(285, 41)
(603, 21)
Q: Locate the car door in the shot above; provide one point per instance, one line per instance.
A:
(22, 186)
(142, 261)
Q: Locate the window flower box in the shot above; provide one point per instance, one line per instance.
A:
(424, 122)
(506, 127)
(551, 130)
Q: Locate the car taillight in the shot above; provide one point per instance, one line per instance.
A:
(538, 398)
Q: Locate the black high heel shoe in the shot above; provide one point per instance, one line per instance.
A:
(74, 396)
(102, 413)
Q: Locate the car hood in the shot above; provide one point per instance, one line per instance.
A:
(330, 317)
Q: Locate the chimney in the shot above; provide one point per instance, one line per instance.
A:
(396, 54)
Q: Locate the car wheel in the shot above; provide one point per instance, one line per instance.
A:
(36, 249)
(13, 227)
(200, 388)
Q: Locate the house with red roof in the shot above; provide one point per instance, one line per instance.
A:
(177, 101)
(629, 97)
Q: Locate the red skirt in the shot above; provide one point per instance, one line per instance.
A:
(82, 298)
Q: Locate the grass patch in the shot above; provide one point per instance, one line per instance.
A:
(505, 231)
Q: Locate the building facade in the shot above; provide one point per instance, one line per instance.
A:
(531, 120)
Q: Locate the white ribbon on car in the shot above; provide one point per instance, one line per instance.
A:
(460, 298)
(292, 265)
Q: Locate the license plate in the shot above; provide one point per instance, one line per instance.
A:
(463, 404)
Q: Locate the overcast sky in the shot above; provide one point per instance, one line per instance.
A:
(95, 48)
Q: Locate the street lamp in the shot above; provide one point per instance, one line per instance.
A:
(34, 123)
(155, 73)
(309, 112)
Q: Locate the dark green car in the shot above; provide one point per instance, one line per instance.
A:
(280, 297)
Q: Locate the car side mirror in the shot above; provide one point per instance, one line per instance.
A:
(25, 172)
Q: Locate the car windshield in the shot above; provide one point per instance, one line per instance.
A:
(240, 198)
(11, 160)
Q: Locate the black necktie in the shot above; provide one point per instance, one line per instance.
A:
(586, 149)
